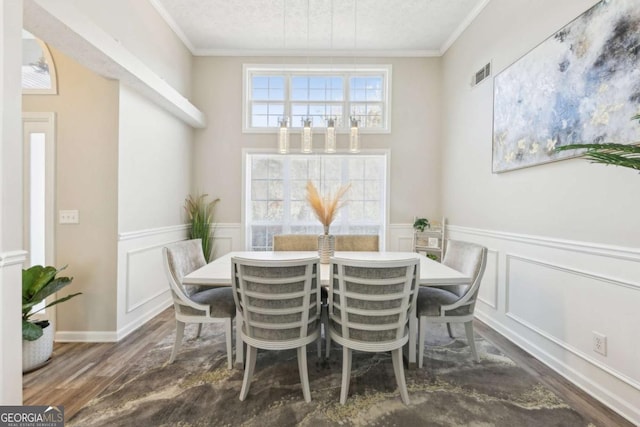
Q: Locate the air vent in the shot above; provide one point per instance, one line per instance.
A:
(481, 74)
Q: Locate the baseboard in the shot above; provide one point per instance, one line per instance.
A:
(86, 336)
(144, 318)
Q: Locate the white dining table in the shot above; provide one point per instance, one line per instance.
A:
(432, 273)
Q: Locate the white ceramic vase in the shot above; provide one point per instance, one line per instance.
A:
(37, 353)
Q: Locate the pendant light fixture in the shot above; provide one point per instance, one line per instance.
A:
(283, 136)
(330, 136)
(307, 136)
(306, 143)
(330, 132)
(283, 132)
(354, 137)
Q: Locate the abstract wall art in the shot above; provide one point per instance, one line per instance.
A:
(581, 85)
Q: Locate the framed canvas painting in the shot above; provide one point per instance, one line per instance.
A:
(581, 85)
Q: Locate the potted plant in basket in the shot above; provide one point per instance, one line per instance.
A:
(38, 283)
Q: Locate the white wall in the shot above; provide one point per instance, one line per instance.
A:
(11, 254)
(86, 169)
(414, 140)
(141, 30)
(154, 166)
(564, 238)
(154, 175)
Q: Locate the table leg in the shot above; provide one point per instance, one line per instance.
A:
(239, 343)
(410, 347)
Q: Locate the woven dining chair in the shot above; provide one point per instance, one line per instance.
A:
(369, 306)
(196, 304)
(280, 306)
(453, 304)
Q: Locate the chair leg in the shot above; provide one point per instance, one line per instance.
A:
(422, 331)
(229, 336)
(178, 342)
(327, 335)
(199, 330)
(346, 374)
(398, 369)
(449, 330)
(468, 327)
(252, 354)
(304, 375)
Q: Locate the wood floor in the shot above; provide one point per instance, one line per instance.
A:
(78, 372)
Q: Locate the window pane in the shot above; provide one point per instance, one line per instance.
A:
(259, 121)
(260, 82)
(259, 190)
(260, 94)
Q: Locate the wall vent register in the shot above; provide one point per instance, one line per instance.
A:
(481, 74)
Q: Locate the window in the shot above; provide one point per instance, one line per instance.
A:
(299, 92)
(38, 70)
(276, 202)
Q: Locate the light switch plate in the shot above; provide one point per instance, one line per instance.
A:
(69, 217)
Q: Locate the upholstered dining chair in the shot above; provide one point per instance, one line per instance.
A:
(357, 242)
(280, 306)
(195, 304)
(453, 304)
(369, 306)
(305, 242)
(295, 242)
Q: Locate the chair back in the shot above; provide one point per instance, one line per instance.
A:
(357, 242)
(295, 242)
(469, 259)
(370, 302)
(279, 299)
(180, 259)
(309, 242)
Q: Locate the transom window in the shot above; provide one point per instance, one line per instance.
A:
(276, 198)
(318, 93)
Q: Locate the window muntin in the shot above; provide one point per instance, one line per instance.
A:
(273, 92)
(276, 198)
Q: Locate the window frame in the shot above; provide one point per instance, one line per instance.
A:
(246, 182)
(345, 71)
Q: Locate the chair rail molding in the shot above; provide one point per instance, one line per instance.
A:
(619, 252)
(12, 258)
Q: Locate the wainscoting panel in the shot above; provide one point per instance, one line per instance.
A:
(550, 296)
(143, 291)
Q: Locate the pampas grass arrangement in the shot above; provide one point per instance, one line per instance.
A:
(201, 216)
(325, 209)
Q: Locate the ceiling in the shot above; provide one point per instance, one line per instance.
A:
(319, 27)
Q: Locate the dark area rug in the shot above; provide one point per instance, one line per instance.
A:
(451, 389)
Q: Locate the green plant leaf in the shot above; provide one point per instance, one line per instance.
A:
(201, 216)
(30, 331)
(38, 283)
(624, 155)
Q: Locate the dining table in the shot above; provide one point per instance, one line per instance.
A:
(432, 273)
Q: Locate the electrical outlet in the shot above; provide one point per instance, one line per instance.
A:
(599, 343)
(69, 217)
